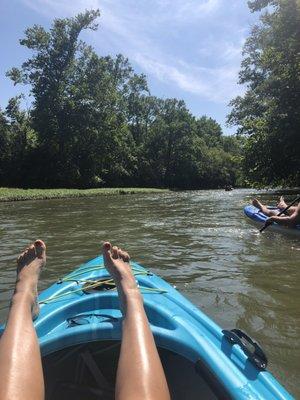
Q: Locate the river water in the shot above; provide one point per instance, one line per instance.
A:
(199, 241)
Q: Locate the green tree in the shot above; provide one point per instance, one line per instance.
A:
(209, 130)
(17, 139)
(80, 105)
(5, 149)
(50, 73)
(93, 122)
(167, 153)
(269, 112)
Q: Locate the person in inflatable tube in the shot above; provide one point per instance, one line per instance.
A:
(290, 219)
(140, 374)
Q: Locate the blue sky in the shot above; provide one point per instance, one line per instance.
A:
(189, 49)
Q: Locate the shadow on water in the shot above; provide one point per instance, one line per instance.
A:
(199, 241)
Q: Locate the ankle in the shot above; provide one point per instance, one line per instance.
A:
(132, 298)
(25, 297)
(130, 290)
(128, 284)
(28, 286)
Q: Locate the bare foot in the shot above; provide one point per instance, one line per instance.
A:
(281, 204)
(257, 204)
(29, 265)
(116, 262)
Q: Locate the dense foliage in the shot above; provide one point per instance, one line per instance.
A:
(269, 112)
(94, 123)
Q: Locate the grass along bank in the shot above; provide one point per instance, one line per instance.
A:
(15, 194)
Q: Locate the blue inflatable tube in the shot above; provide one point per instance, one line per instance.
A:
(260, 218)
(80, 321)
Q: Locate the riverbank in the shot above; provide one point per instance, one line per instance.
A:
(16, 194)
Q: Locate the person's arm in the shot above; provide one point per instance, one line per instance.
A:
(289, 220)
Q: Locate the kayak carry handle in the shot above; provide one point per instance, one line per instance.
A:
(257, 356)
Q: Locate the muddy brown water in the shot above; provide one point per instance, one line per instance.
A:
(199, 241)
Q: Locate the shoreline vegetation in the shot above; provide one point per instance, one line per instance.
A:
(93, 121)
(17, 194)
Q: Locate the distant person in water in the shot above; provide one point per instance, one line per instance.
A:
(291, 218)
(140, 374)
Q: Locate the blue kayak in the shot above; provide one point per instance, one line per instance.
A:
(260, 218)
(79, 329)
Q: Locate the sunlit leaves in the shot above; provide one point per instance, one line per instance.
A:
(269, 112)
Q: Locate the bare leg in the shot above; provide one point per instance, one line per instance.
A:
(21, 374)
(140, 375)
(263, 208)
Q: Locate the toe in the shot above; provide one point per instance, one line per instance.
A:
(31, 251)
(115, 252)
(40, 248)
(120, 253)
(127, 257)
(124, 255)
(106, 247)
(106, 251)
(20, 256)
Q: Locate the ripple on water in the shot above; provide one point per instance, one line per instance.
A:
(199, 241)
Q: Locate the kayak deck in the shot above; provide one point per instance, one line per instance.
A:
(76, 319)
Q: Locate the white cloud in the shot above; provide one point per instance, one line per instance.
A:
(184, 10)
(142, 30)
(196, 9)
(215, 84)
